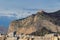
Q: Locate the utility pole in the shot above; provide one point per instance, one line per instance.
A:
(57, 32)
(57, 29)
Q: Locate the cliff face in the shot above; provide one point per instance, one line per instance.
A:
(36, 24)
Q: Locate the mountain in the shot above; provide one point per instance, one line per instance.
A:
(40, 23)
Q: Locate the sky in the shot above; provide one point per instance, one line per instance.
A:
(29, 4)
(17, 9)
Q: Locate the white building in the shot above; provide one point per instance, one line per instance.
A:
(11, 36)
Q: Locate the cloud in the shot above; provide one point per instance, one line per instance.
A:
(16, 13)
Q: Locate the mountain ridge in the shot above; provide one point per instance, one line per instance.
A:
(36, 22)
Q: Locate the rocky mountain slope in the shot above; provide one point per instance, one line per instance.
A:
(37, 24)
